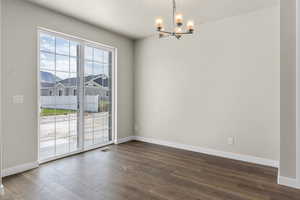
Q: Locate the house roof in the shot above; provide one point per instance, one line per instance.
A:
(71, 82)
(47, 85)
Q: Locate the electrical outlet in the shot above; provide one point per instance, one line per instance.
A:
(230, 141)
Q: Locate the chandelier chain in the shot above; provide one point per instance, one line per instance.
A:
(174, 12)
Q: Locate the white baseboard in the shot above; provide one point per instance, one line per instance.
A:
(234, 156)
(19, 169)
(123, 140)
(289, 182)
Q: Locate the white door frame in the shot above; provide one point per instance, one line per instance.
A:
(82, 42)
(1, 186)
(298, 93)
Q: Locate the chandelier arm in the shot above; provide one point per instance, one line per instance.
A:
(177, 33)
(165, 32)
(185, 33)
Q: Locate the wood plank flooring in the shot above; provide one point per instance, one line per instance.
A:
(141, 171)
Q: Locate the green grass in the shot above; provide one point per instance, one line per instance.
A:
(104, 106)
(51, 112)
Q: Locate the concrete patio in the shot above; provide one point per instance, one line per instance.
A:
(58, 134)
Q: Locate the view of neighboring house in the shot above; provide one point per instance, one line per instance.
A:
(52, 85)
(62, 93)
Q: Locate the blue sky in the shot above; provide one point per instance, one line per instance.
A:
(65, 64)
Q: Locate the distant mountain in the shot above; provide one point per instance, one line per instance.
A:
(48, 77)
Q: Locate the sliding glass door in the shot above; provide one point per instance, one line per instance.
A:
(97, 95)
(75, 100)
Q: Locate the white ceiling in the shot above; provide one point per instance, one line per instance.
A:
(135, 18)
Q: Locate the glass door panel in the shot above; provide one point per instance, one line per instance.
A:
(97, 87)
(58, 96)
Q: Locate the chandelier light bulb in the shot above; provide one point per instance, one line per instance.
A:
(179, 19)
(159, 23)
(190, 25)
(161, 34)
(178, 30)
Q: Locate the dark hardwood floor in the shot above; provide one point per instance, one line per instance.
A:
(141, 171)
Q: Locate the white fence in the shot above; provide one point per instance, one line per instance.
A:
(69, 103)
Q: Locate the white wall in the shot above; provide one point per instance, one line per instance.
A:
(20, 22)
(223, 81)
(288, 89)
(0, 94)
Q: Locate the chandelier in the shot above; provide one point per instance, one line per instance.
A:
(178, 29)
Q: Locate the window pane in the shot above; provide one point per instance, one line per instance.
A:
(73, 64)
(98, 55)
(73, 76)
(62, 145)
(61, 123)
(47, 128)
(62, 76)
(99, 137)
(105, 83)
(73, 143)
(106, 70)
(88, 139)
(88, 69)
(106, 122)
(72, 84)
(47, 77)
(88, 53)
(73, 48)
(47, 147)
(47, 83)
(99, 122)
(47, 42)
(98, 69)
(47, 61)
(73, 126)
(62, 63)
(106, 133)
(88, 124)
(47, 133)
(62, 46)
(106, 57)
